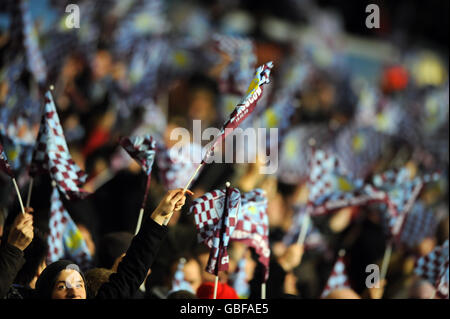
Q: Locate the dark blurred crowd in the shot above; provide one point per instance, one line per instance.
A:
(137, 67)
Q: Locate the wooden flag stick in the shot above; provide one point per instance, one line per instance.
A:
(138, 226)
(30, 188)
(303, 230)
(18, 194)
(166, 221)
(141, 211)
(263, 290)
(216, 283)
(192, 177)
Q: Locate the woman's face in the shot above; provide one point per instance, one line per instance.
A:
(69, 285)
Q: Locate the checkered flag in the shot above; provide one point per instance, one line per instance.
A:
(4, 165)
(145, 19)
(177, 164)
(359, 149)
(252, 227)
(400, 194)
(241, 50)
(434, 268)
(331, 187)
(142, 149)
(278, 116)
(144, 68)
(179, 282)
(338, 278)
(420, 223)
(295, 153)
(216, 215)
(65, 240)
(24, 37)
(51, 154)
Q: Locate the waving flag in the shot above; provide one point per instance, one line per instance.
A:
(400, 194)
(4, 165)
(141, 149)
(19, 104)
(252, 227)
(434, 268)
(279, 115)
(235, 77)
(295, 151)
(338, 278)
(178, 282)
(420, 223)
(330, 187)
(177, 164)
(145, 63)
(144, 20)
(243, 110)
(36, 63)
(359, 149)
(216, 215)
(18, 151)
(65, 240)
(51, 154)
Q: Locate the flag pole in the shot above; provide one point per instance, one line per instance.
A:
(18, 195)
(166, 221)
(216, 283)
(30, 188)
(139, 222)
(141, 211)
(219, 257)
(263, 290)
(304, 229)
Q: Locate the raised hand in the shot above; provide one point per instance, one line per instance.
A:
(22, 231)
(172, 201)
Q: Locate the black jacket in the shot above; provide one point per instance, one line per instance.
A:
(133, 268)
(11, 260)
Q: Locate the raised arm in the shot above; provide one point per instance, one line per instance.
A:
(132, 270)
